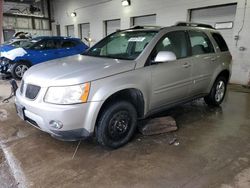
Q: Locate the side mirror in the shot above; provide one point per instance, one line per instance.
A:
(165, 56)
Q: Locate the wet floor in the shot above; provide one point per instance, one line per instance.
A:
(214, 151)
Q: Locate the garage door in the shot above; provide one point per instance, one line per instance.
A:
(221, 16)
(84, 30)
(70, 31)
(144, 20)
(112, 26)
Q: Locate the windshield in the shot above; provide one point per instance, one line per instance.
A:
(28, 44)
(122, 45)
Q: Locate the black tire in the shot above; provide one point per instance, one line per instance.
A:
(116, 124)
(18, 69)
(217, 93)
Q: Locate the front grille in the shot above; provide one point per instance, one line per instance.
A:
(32, 91)
(21, 87)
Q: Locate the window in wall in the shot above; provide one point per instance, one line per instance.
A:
(144, 20)
(112, 26)
(70, 30)
(41, 24)
(84, 30)
(24, 23)
(200, 43)
(38, 24)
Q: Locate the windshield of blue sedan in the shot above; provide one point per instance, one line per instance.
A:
(122, 45)
(28, 44)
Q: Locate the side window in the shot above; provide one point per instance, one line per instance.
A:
(68, 44)
(175, 42)
(50, 44)
(39, 45)
(220, 41)
(200, 43)
(58, 43)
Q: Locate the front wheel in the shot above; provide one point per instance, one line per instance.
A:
(116, 124)
(18, 69)
(217, 93)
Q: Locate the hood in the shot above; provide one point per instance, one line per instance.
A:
(75, 70)
(6, 48)
(12, 53)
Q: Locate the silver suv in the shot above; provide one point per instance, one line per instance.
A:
(129, 75)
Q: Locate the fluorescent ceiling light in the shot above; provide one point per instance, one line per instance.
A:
(73, 14)
(126, 3)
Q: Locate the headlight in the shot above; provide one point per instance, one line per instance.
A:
(68, 94)
(5, 61)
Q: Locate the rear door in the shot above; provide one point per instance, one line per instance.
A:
(171, 81)
(204, 61)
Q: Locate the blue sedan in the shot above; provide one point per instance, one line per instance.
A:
(16, 60)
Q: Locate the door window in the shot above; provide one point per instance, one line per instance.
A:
(50, 44)
(39, 45)
(174, 42)
(200, 43)
(68, 44)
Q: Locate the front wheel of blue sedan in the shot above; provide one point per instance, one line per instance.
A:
(18, 69)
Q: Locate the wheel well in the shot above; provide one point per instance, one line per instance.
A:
(225, 74)
(132, 95)
(25, 61)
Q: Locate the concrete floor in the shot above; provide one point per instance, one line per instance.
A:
(214, 151)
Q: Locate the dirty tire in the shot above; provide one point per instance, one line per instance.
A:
(116, 124)
(18, 69)
(217, 93)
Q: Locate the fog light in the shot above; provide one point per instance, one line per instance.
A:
(56, 124)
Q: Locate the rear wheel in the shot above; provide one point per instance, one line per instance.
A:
(217, 93)
(116, 124)
(18, 69)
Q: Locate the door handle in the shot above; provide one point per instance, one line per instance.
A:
(186, 65)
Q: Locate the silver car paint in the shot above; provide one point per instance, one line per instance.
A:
(159, 84)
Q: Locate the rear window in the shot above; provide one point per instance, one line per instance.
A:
(220, 41)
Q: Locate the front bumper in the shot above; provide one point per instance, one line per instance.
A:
(78, 120)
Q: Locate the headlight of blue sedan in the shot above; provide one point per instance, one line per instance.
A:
(4, 61)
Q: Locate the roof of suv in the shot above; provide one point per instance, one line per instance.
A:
(179, 24)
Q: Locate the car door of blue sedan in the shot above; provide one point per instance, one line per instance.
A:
(45, 50)
(71, 47)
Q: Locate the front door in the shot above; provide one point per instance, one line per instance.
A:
(171, 81)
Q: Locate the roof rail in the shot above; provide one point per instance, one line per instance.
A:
(194, 25)
(145, 27)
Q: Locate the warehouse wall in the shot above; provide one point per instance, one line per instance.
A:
(168, 12)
